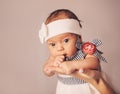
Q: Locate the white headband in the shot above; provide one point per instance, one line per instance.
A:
(59, 27)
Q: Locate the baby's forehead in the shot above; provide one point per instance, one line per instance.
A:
(61, 37)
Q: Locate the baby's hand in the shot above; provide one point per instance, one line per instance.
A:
(58, 60)
(48, 71)
(67, 67)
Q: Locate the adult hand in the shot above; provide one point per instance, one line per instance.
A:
(95, 78)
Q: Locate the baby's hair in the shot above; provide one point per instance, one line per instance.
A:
(62, 14)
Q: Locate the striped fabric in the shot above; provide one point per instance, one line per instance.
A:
(70, 80)
(98, 53)
(97, 42)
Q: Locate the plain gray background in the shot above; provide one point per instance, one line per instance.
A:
(22, 55)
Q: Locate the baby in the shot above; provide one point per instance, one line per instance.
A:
(68, 53)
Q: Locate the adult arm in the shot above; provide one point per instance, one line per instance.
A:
(95, 78)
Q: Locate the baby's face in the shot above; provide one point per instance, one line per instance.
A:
(63, 44)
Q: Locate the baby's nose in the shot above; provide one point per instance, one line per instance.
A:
(60, 47)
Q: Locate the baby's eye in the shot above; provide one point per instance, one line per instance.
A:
(52, 44)
(66, 40)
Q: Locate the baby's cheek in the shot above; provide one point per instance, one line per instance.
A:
(53, 53)
(71, 52)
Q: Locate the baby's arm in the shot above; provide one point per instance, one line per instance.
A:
(47, 71)
(89, 62)
(51, 64)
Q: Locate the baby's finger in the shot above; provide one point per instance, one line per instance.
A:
(60, 58)
(47, 70)
(56, 63)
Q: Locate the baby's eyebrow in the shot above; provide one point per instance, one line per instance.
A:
(51, 41)
(65, 38)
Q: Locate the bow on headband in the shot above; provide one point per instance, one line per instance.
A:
(43, 33)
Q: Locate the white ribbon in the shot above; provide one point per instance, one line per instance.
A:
(59, 27)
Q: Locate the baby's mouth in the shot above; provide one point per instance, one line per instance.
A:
(64, 54)
(65, 57)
